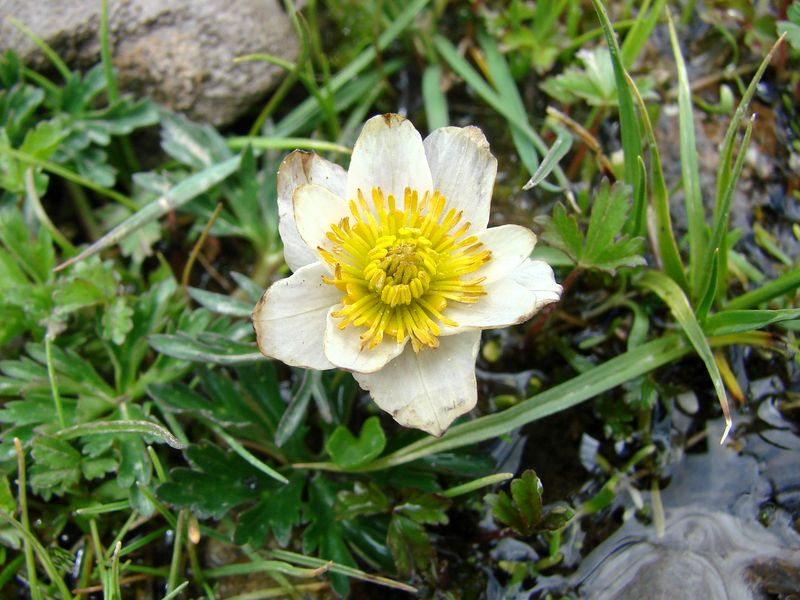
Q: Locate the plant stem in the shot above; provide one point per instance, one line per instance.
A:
(22, 499)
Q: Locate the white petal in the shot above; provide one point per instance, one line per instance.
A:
(290, 318)
(508, 301)
(429, 389)
(463, 170)
(297, 169)
(510, 245)
(388, 154)
(315, 210)
(343, 348)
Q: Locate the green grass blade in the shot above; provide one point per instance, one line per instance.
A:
(704, 305)
(737, 321)
(557, 151)
(434, 99)
(508, 94)
(41, 553)
(186, 190)
(476, 484)
(666, 245)
(51, 54)
(248, 456)
(690, 175)
(308, 108)
(638, 35)
(65, 173)
(285, 143)
(597, 380)
(118, 427)
(335, 567)
(628, 124)
(785, 284)
(464, 70)
(105, 55)
(678, 303)
(726, 154)
(718, 244)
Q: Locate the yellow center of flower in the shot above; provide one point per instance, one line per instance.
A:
(399, 268)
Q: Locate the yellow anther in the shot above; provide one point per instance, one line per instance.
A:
(400, 268)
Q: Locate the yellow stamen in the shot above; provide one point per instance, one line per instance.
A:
(399, 269)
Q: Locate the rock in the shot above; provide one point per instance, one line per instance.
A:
(179, 52)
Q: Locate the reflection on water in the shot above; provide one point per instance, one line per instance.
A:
(714, 545)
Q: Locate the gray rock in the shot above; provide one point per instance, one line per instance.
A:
(180, 52)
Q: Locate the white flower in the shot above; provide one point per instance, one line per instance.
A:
(395, 273)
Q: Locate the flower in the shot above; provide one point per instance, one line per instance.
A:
(395, 273)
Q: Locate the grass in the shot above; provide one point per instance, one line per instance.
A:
(141, 423)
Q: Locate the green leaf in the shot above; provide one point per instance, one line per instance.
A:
(220, 303)
(674, 297)
(690, 175)
(186, 190)
(605, 247)
(95, 468)
(278, 511)
(556, 517)
(425, 509)
(434, 99)
(117, 321)
(410, 545)
(737, 321)
(8, 503)
(34, 255)
(348, 451)
(562, 232)
(209, 347)
(628, 124)
(523, 510)
(324, 532)
(665, 236)
(57, 467)
(194, 145)
(366, 499)
(216, 483)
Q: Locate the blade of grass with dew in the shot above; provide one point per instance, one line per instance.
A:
(557, 151)
(300, 116)
(724, 170)
(434, 99)
(628, 124)
(589, 384)
(785, 284)
(737, 321)
(116, 427)
(186, 190)
(674, 297)
(642, 28)
(499, 75)
(690, 175)
(464, 70)
(666, 245)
